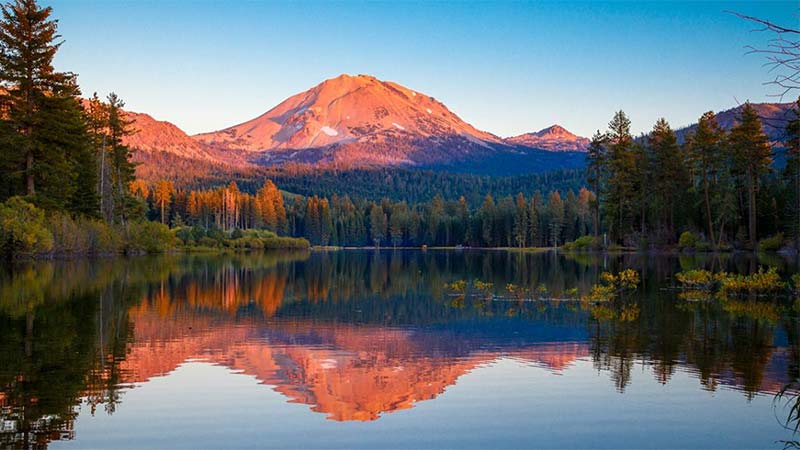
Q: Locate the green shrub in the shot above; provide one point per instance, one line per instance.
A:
(206, 241)
(23, 230)
(103, 239)
(582, 243)
(68, 237)
(185, 234)
(286, 243)
(688, 240)
(771, 244)
(148, 237)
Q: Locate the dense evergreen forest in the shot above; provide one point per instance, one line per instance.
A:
(719, 190)
(68, 183)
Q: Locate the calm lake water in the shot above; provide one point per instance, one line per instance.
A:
(368, 349)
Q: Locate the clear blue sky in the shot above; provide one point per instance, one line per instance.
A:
(505, 67)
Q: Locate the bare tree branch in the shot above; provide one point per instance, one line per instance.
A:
(782, 54)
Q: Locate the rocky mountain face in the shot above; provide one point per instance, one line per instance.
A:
(774, 117)
(554, 138)
(356, 120)
(153, 135)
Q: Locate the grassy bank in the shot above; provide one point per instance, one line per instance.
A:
(30, 232)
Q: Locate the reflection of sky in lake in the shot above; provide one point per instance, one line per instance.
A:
(505, 404)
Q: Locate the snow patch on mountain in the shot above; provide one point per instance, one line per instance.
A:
(329, 131)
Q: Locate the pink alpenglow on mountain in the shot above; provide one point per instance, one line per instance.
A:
(358, 119)
(152, 136)
(554, 138)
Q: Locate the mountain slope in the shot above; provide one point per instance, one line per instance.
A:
(153, 135)
(356, 120)
(554, 138)
(774, 117)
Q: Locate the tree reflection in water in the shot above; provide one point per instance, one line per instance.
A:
(75, 335)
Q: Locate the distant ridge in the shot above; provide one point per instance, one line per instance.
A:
(554, 138)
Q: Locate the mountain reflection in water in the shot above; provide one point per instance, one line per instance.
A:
(356, 335)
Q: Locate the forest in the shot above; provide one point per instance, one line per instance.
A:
(68, 184)
(717, 191)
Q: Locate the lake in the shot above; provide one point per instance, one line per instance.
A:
(348, 349)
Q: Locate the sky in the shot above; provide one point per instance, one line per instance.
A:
(505, 67)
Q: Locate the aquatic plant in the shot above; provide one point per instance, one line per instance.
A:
(796, 285)
(759, 283)
(763, 311)
(458, 286)
(612, 285)
(696, 279)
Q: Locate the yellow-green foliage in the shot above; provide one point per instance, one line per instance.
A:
(238, 239)
(458, 286)
(601, 293)
(582, 243)
(611, 285)
(603, 312)
(517, 292)
(772, 243)
(796, 283)
(761, 282)
(483, 286)
(148, 237)
(695, 279)
(755, 310)
(696, 295)
(629, 313)
(84, 236)
(687, 240)
(23, 230)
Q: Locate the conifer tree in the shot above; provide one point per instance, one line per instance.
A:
(28, 44)
(792, 173)
(707, 165)
(752, 158)
(120, 167)
(521, 217)
(595, 164)
(45, 154)
(622, 178)
(668, 180)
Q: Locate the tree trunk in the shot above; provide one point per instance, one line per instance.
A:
(751, 201)
(30, 189)
(707, 202)
(596, 210)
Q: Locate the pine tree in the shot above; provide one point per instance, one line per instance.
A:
(27, 47)
(752, 158)
(792, 173)
(521, 217)
(120, 167)
(709, 167)
(555, 214)
(595, 165)
(618, 198)
(377, 224)
(668, 179)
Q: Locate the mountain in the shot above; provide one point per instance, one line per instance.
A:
(554, 138)
(360, 121)
(357, 120)
(152, 136)
(774, 117)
